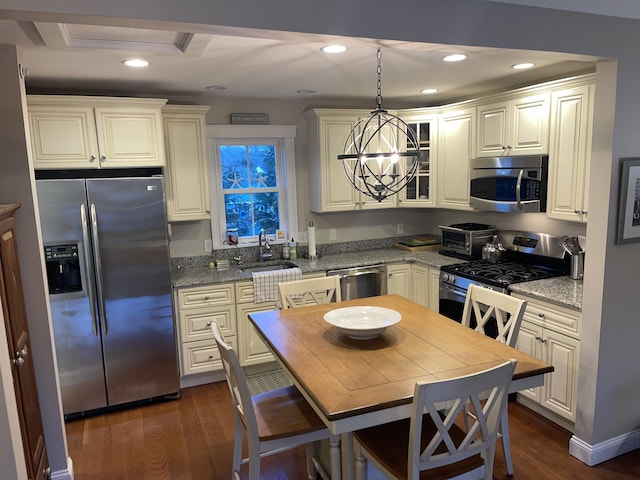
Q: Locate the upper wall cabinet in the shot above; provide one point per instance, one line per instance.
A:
(330, 188)
(95, 132)
(518, 126)
(186, 173)
(570, 153)
(456, 146)
(421, 190)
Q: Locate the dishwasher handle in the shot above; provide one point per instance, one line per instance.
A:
(350, 272)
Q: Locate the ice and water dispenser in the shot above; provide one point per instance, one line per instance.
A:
(63, 268)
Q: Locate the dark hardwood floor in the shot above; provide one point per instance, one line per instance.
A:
(191, 439)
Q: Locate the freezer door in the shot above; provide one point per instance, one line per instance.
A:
(133, 276)
(75, 330)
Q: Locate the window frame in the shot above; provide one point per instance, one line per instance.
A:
(283, 136)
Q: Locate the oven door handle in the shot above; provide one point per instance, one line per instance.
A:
(518, 187)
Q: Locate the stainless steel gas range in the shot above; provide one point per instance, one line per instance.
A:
(529, 256)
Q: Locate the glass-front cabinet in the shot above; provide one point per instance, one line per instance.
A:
(419, 192)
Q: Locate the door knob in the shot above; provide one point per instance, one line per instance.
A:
(20, 356)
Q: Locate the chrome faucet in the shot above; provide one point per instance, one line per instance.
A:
(264, 246)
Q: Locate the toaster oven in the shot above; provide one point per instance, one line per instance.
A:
(465, 240)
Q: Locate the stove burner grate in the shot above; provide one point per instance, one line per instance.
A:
(501, 274)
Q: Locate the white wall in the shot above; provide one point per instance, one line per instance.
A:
(609, 409)
(17, 185)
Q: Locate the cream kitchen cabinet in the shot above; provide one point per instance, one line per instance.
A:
(424, 286)
(552, 334)
(399, 279)
(517, 126)
(197, 308)
(251, 348)
(186, 173)
(456, 146)
(420, 191)
(95, 132)
(570, 153)
(330, 188)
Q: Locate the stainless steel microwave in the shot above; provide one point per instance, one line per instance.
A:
(509, 184)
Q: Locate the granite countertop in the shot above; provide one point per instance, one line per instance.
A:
(561, 290)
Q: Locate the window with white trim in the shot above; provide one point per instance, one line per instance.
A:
(252, 182)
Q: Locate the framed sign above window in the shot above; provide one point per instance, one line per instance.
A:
(628, 230)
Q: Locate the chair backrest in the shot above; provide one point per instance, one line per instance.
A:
(488, 304)
(449, 444)
(310, 291)
(240, 396)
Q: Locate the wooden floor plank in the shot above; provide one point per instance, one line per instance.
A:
(191, 439)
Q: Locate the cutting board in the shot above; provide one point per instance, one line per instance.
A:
(419, 245)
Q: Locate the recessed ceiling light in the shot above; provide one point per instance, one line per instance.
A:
(456, 57)
(334, 49)
(215, 87)
(136, 62)
(522, 66)
(429, 91)
(306, 92)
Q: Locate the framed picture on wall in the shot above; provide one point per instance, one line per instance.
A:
(629, 206)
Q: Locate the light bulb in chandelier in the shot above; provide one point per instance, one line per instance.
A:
(381, 152)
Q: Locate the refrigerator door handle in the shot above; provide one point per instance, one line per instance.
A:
(98, 264)
(91, 291)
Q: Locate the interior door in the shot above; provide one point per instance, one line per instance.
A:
(24, 380)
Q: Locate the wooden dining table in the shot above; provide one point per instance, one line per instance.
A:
(354, 384)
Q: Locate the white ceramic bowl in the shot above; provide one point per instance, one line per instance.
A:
(362, 323)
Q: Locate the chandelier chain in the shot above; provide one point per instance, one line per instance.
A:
(379, 71)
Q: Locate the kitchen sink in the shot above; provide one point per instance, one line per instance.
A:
(267, 266)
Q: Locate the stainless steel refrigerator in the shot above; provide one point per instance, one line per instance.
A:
(107, 262)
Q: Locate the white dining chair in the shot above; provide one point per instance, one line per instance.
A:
(433, 439)
(310, 291)
(273, 421)
(508, 311)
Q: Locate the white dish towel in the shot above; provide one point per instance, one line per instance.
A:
(265, 284)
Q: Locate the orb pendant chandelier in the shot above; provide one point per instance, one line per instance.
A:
(381, 153)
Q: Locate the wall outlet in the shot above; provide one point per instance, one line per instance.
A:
(208, 246)
(333, 234)
(400, 228)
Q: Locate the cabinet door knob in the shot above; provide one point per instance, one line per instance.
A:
(92, 158)
(206, 297)
(541, 315)
(103, 158)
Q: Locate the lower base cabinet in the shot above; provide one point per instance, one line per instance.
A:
(424, 286)
(552, 334)
(198, 307)
(229, 304)
(399, 279)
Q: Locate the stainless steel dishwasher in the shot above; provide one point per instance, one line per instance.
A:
(360, 282)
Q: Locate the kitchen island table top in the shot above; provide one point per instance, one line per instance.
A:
(358, 383)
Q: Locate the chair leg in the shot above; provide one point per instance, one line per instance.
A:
(506, 443)
(312, 471)
(238, 434)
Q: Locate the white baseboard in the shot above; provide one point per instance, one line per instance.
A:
(66, 474)
(603, 451)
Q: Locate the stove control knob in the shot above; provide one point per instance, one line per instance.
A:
(445, 277)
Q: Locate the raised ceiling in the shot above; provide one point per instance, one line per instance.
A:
(70, 58)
